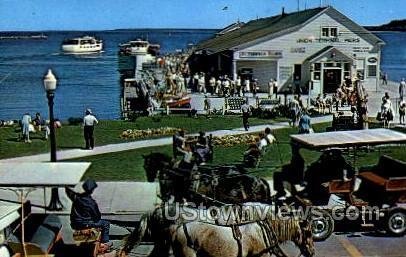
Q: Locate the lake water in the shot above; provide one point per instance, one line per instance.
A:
(92, 81)
(86, 81)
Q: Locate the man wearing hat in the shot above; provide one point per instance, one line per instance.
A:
(88, 127)
(85, 212)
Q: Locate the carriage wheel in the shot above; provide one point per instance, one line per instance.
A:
(396, 222)
(322, 225)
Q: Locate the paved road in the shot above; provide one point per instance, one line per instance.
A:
(361, 244)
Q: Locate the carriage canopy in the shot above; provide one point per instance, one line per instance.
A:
(353, 138)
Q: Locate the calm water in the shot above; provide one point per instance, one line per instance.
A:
(83, 81)
(91, 81)
(394, 54)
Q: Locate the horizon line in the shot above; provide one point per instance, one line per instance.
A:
(95, 30)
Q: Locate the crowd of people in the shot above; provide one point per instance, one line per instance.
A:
(387, 111)
(38, 124)
(179, 78)
(29, 125)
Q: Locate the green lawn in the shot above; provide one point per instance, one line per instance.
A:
(129, 165)
(108, 132)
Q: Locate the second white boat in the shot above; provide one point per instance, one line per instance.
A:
(82, 45)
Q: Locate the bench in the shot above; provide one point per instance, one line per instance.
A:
(269, 102)
(387, 167)
(388, 184)
(170, 110)
(233, 104)
(390, 167)
(389, 174)
(347, 189)
(88, 239)
(42, 232)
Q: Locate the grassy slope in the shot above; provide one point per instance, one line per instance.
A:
(129, 165)
(108, 132)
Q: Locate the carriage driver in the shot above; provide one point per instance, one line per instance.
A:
(85, 212)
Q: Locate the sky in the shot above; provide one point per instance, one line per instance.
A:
(36, 15)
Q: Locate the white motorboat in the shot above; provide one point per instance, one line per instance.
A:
(82, 45)
(139, 47)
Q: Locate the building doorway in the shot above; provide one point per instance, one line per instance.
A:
(331, 80)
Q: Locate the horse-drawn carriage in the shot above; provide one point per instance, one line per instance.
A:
(208, 183)
(374, 195)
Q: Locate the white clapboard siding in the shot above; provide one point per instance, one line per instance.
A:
(294, 52)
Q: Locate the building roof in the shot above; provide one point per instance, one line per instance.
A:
(231, 27)
(256, 30)
(338, 55)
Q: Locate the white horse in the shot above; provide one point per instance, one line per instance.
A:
(206, 238)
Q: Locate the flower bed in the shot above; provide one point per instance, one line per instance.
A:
(231, 140)
(146, 133)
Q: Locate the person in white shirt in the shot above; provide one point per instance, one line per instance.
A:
(270, 88)
(226, 86)
(89, 121)
(238, 88)
(268, 136)
(262, 142)
(212, 84)
(25, 126)
(202, 83)
(218, 86)
(247, 85)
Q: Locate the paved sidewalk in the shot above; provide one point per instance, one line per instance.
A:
(77, 153)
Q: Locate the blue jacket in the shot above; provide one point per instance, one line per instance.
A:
(304, 124)
(85, 210)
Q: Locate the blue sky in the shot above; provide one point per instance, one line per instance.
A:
(114, 14)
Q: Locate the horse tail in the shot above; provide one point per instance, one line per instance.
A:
(134, 239)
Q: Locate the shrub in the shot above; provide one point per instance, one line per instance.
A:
(75, 121)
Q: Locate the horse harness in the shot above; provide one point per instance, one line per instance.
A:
(270, 240)
(269, 237)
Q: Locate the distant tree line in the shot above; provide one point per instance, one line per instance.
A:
(395, 25)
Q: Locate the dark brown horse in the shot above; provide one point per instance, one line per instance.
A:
(198, 238)
(227, 184)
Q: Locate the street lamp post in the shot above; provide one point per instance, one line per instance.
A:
(50, 86)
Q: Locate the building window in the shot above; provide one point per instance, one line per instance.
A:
(360, 68)
(333, 32)
(317, 66)
(371, 70)
(329, 32)
(324, 32)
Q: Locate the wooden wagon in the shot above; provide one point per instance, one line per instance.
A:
(373, 196)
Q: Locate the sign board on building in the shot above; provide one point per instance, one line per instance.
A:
(261, 54)
(372, 60)
(360, 49)
(299, 50)
(328, 40)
